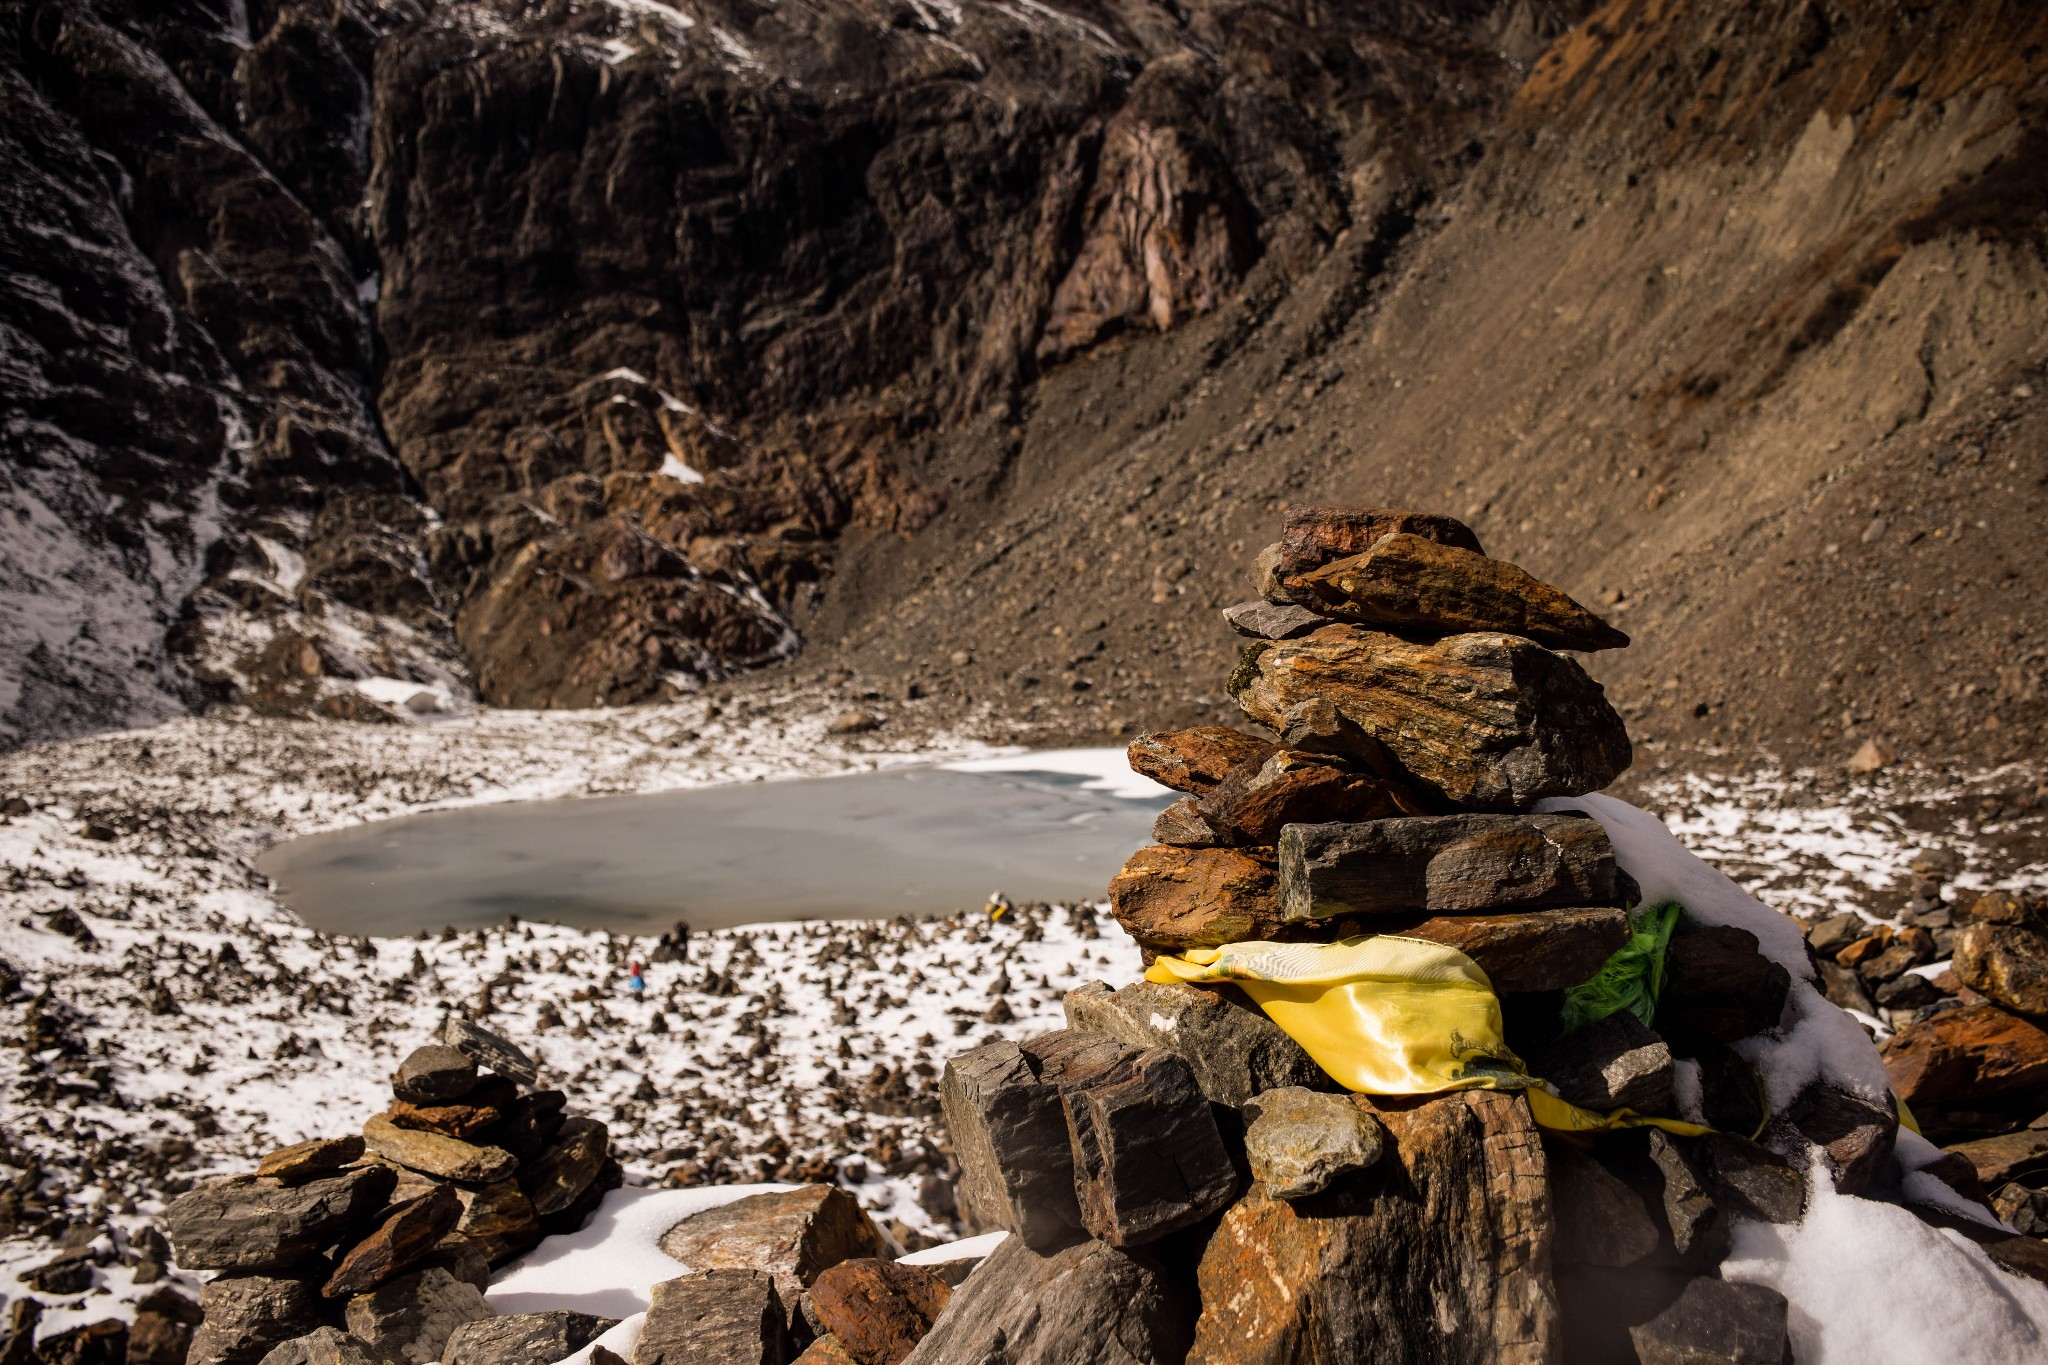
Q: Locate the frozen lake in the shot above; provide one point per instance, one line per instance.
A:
(917, 841)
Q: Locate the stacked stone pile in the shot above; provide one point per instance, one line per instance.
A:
(1182, 1180)
(378, 1246)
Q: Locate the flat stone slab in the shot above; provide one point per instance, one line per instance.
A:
(1089, 1302)
(791, 1235)
(1173, 899)
(1445, 864)
(435, 1154)
(259, 1224)
(1976, 1052)
(1526, 951)
(714, 1317)
(1488, 721)
(1195, 759)
(489, 1050)
(1262, 620)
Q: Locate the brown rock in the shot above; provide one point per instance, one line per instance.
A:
(1750, 1181)
(878, 1310)
(305, 1160)
(1183, 826)
(2004, 907)
(1312, 536)
(2007, 963)
(1715, 1322)
(247, 1315)
(1490, 721)
(826, 1350)
(531, 1124)
(1854, 1134)
(162, 1331)
(1699, 1229)
(458, 1256)
(1254, 802)
(1446, 864)
(1405, 581)
(1440, 1253)
(1148, 1159)
(559, 1177)
(714, 1317)
(2006, 1157)
(1010, 1132)
(1536, 950)
(408, 1320)
(498, 1220)
(1089, 1302)
(1197, 759)
(484, 1108)
(1180, 898)
(1615, 1063)
(434, 1074)
(1234, 1050)
(792, 1235)
(1601, 1220)
(1844, 989)
(432, 1154)
(251, 1223)
(1976, 1052)
(406, 1235)
(488, 1049)
(1718, 987)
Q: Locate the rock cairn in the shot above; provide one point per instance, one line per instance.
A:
(1183, 1181)
(377, 1247)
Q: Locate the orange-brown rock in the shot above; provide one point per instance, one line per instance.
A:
(877, 1309)
(2006, 1157)
(1195, 759)
(1179, 898)
(305, 1160)
(790, 1234)
(1408, 582)
(1492, 721)
(407, 1234)
(2007, 963)
(479, 1110)
(1254, 801)
(1440, 1251)
(1978, 1052)
(1537, 950)
(1312, 536)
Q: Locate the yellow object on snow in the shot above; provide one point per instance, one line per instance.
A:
(1387, 1015)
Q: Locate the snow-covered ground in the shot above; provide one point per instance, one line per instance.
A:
(175, 1021)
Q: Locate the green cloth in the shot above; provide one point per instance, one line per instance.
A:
(1631, 979)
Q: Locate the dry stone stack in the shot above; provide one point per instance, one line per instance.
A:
(1415, 707)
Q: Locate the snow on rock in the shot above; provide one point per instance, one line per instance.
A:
(609, 1269)
(1814, 1038)
(1871, 1284)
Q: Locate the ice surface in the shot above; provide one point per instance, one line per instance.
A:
(1107, 770)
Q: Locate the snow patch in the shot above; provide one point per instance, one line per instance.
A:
(1107, 770)
(679, 471)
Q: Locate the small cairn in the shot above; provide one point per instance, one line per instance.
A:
(376, 1247)
(1181, 1178)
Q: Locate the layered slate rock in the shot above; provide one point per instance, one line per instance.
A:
(1254, 802)
(1601, 1219)
(1408, 582)
(307, 1160)
(1855, 1134)
(2006, 1157)
(1196, 759)
(877, 1310)
(408, 1320)
(1976, 1052)
(1714, 1322)
(1445, 864)
(1148, 1159)
(1264, 620)
(789, 1235)
(1312, 536)
(1541, 950)
(1699, 1229)
(523, 1338)
(564, 1174)
(252, 1223)
(1718, 987)
(1439, 1252)
(1490, 721)
(1750, 1181)
(436, 1154)
(498, 1219)
(326, 1346)
(1615, 1063)
(1297, 1141)
(1010, 1132)
(714, 1317)
(1087, 1302)
(1179, 898)
(1233, 1049)
(248, 1315)
(408, 1232)
(1183, 825)
(489, 1050)
(162, 1331)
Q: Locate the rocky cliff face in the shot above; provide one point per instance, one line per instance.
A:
(580, 353)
